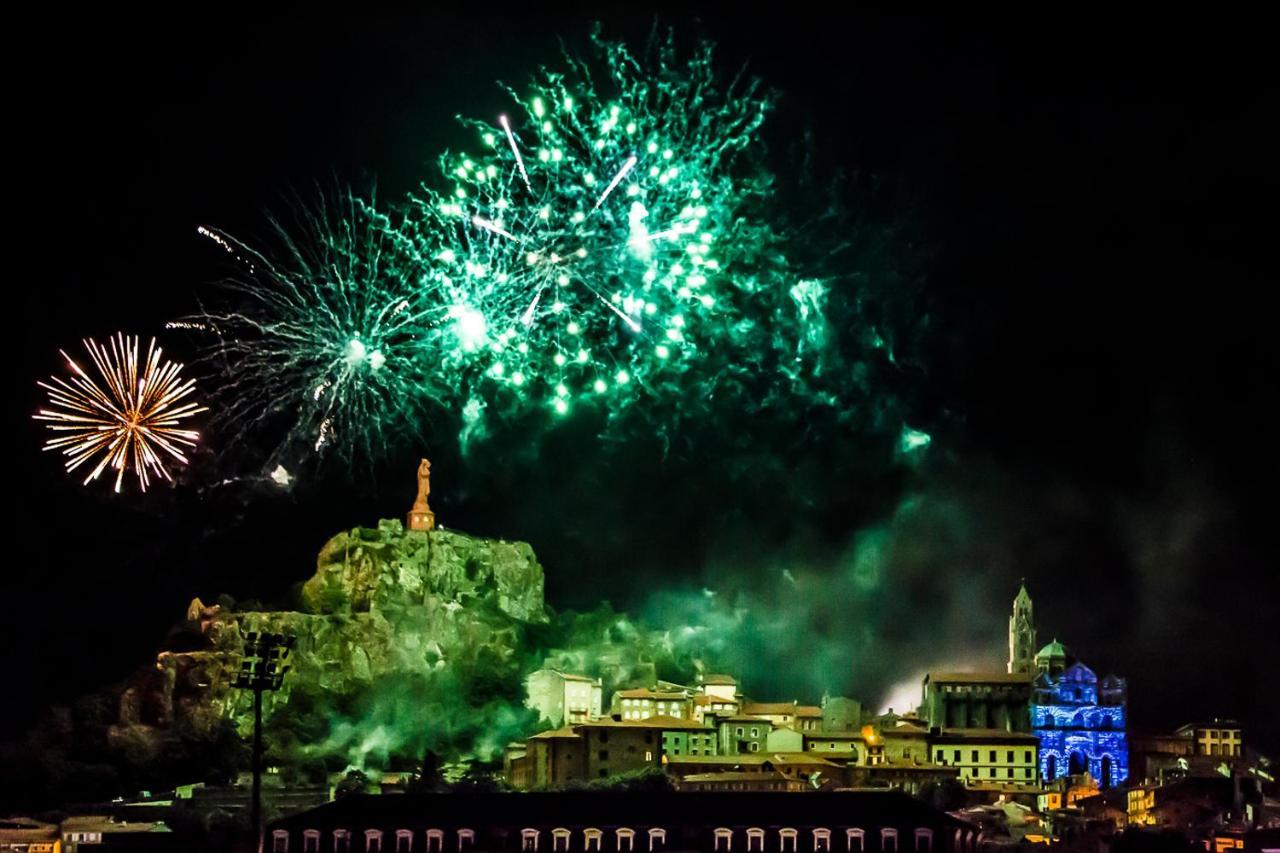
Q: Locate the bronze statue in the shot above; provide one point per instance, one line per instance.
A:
(420, 516)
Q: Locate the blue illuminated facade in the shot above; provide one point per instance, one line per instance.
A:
(1080, 720)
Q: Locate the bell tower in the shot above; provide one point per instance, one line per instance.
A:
(1022, 634)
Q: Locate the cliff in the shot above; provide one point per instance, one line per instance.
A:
(406, 641)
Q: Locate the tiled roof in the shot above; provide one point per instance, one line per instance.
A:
(769, 708)
(565, 732)
(655, 722)
(646, 693)
(724, 680)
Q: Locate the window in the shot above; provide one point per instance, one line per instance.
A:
(755, 839)
(466, 837)
(1027, 756)
(738, 732)
(924, 840)
(992, 756)
(974, 757)
(755, 746)
(957, 756)
(1027, 772)
(723, 834)
(786, 835)
(855, 839)
(755, 731)
(341, 841)
(373, 841)
(529, 839)
(626, 838)
(311, 841)
(435, 840)
(1009, 772)
(404, 840)
(559, 837)
(591, 839)
(604, 755)
(658, 837)
(279, 840)
(889, 840)
(822, 840)
(1009, 757)
(604, 737)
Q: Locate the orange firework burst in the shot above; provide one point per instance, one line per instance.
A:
(129, 419)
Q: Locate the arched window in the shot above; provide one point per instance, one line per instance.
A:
(924, 840)
(529, 839)
(888, 840)
(1076, 764)
(755, 839)
(822, 840)
(1106, 771)
(626, 838)
(466, 837)
(311, 841)
(341, 841)
(559, 837)
(1051, 767)
(591, 839)
(435, 841)
(855, 840)
(373, 841)
(658, 838)
(787, 839)
(280, 841)
(724, 834)
(404, 841)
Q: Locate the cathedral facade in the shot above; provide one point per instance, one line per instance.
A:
(1079, 719)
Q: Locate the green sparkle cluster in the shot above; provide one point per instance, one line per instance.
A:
(609, 241)
(593, 239)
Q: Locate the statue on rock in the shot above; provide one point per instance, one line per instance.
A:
(420, 516)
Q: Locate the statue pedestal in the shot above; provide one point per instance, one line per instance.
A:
(422, 519)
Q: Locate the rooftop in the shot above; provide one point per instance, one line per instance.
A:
(987, 735)
(723, 680)
(978, 678)
(611, 808)
(769, 708)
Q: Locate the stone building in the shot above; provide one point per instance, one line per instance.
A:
(1080, 720)
(988, 755)
(977, 700)
(768, 821)
(561, 697)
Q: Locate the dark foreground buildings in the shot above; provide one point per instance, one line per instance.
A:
(857, 821)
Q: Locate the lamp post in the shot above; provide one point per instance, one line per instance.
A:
(262, 668)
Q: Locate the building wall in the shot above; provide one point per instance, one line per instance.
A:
(682, 742)
(611, 750)
(1077, 734)
(978, 705)
(743, 736)
(986, 761)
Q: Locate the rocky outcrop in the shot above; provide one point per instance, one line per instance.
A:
(436, 610)
(366, 570)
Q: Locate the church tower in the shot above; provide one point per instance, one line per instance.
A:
(1022, 635)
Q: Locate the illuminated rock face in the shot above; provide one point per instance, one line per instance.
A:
(366, 570)
(392, 622)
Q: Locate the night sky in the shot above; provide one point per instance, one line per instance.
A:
(1087, 205)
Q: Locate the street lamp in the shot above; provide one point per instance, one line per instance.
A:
(262, 668)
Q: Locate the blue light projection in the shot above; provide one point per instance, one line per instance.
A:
(1081, 725)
